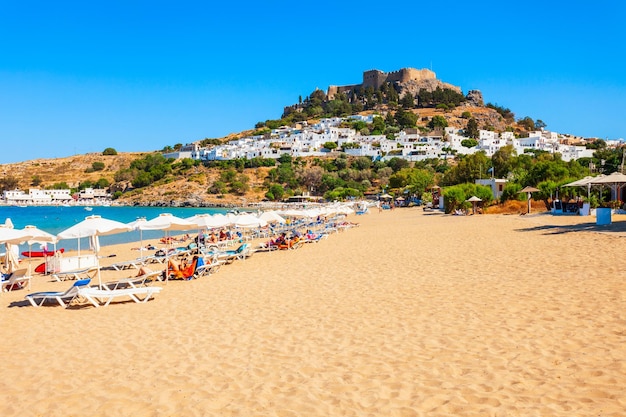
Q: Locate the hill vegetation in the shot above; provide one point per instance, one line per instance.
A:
(150, 178)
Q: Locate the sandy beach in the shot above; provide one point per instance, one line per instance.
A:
(410, 314)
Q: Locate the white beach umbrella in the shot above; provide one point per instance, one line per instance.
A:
(167, 222)
(135, 225)
(271, 216)
(206, 221)
(11, 237)
(92, 227)
(39, 236)
(249, 220)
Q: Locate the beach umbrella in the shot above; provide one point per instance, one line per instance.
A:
(206, 221)
(38, 236)
(93, 227)
(12, 237)
(249, 220)
(167, 222)
(271, 216)
(135, 226)
(528, 190)
(474, 200)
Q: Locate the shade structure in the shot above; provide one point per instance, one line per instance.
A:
(249, 220)
(584, 182)
(474, 200)
(39, 236)
(135, 226)
(92, 227)
(528, 190)
(207, 221)
(11, 237)
(271, 216)
(616, 181)
(167, 222)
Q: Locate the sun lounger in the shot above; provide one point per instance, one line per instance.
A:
(208, 268)
(16, 280)
(63, 298)
(99, 297)
(76, 274)
(135, 263)
(134, 282)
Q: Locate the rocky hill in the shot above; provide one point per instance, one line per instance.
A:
(191, 189)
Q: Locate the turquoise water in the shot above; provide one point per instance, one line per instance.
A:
(56, 219)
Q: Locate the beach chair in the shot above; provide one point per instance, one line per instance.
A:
(77, 274)
(134, 282)
(185, 273)
(99, 297)
(63, 298)
(208, 268)
(16, 280)
(135, 263)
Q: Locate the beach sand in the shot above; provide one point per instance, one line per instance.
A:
(409, 314)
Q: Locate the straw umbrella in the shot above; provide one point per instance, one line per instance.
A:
(529, 190)
(474, 200)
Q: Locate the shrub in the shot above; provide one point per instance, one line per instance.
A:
(109, 151)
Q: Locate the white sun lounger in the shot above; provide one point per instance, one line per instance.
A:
(84, 273)
(17, 279)
(134, 282)
(63, 298)
(99, 297)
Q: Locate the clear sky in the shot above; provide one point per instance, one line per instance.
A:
(78, 77)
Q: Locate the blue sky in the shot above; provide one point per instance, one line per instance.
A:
(78, 77)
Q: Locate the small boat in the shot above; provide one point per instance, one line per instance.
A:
(40, 253)
(88, 208)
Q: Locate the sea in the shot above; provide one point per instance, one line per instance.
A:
(55, 219)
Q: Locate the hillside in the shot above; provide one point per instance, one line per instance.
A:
(191, 187)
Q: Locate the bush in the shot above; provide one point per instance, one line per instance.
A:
(109, 151)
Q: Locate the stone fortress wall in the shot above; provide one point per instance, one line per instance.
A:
(375, 78)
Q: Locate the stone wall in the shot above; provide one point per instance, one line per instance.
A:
(376, 78)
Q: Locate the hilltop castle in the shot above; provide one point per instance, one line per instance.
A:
(375, 78)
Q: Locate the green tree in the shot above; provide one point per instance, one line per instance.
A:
(109, 151)
(469, 143)
(275, 192)
(330, 145)
(406, 119)
(438, 121)
(502, 161)
(97, 166)
(526, 123)
(378, 125)
(471, 130)
(408, 101)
